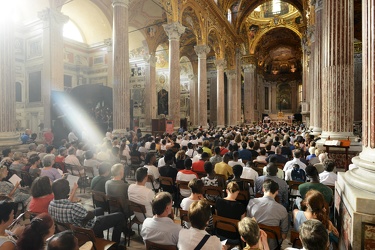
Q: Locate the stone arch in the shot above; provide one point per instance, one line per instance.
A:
(257, 39)
(215, 43)
(189, 10)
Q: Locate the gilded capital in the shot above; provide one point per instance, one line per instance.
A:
(150, 59)
(231, 74)
(202, 50)
(174, 30)
(248, 67)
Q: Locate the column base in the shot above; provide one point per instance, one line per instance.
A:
(9, 139)
(316, 131)
(355, 211)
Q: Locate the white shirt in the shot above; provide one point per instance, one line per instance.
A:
(141, 195)
(233, 163)
(196, 158)
(289, 164)
(160, 230)
(189, 238)
(328, 178)
(154, 171)
(148, 145)
(249, 173)
(72, 137)
(191, 153)
(161, 162)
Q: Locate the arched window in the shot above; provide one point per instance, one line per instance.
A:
(18, 92)
(71, 31)
(229, 16)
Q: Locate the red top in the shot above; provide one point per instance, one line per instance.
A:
(198, 166)
(40, 204)
(223, 151)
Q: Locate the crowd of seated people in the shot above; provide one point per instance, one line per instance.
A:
(259, 161)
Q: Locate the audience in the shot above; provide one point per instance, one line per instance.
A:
(63, 241)
(98, 182)
(223, 167)
(252, 235)
(196, 188)
(14, 192)
(140, 194)
(52, 173)
(7, 239)
(152, 170)
(217, 157)
(297, 155)
(35, 234)
(161, 229)
(328, 177)
(41, 192)
(196, 237)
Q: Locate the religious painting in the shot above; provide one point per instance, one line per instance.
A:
(284, 95)
(163, 102)
(253, 30)
(368, 236)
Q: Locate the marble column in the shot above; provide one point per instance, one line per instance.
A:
(318, 63)
(150, 90)
(232, 97)
(121, 68)
(108, 43)
(202, 51)
(8, 126)
(213, 97)
(249, 92)
(239, 85)
(338, 69)
(193, 100)
(220, 65)
(311, 82)
(174, 31)
(53, 55)
(356, 187)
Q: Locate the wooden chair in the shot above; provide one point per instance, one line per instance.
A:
(140, 209)
(154, 246)
(89, 173)
(293, 192)
(99, 199)
(243, 196)
(213, 191)
(184, 217)
(280, 165)
(77, 171)
(83, 235)
(247, 183)
(60, 227)
(150, 179)
(227, 225)
(116, 204)
(182, 185)
(273, 232)
(295, 240)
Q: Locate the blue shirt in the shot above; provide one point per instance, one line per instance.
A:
(244, 154)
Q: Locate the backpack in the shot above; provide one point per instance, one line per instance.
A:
(298, 175)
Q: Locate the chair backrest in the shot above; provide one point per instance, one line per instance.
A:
(182, 185)
(273, 232)
(295, 240)
(293, 185)
(69, 168)
(247, 183)
(137, 208)
(154, 246)
(280, 165)
(99, 199)
(213, 191)
(60, 227)
(135, 159)
(243, 195)
(150, 179)
(84, 235)
(225, 224)
(115, 204)
(166, 181)
(184, 217)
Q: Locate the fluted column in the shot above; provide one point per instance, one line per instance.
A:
(338, 69)
(150, 89)
(8, 134)
(317, 62)
(249, 92)
(220, 65)
(202, 51)
(232, 97)
(174, 31)
(193, 100)
(356, 187)
(311, 81)
(53, 55)
(108, 43)
(121, 69)
(239, 85)
(213, 97)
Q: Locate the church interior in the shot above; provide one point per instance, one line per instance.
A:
(199, 63)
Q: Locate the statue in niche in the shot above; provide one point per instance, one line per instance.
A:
(163, 102)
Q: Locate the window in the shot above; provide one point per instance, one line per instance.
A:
(18, 92)
(229, 16)
(35, 86)
(67, 82)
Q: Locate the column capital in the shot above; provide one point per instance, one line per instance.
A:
(174, 30)
(248, 67)
(108, 43)
(122, 3)
(221, 64)
(231, 74)
(150, 59)
(318, 5)
(202, 50)
(48, 14)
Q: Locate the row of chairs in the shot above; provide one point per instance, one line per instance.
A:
(116, 204)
